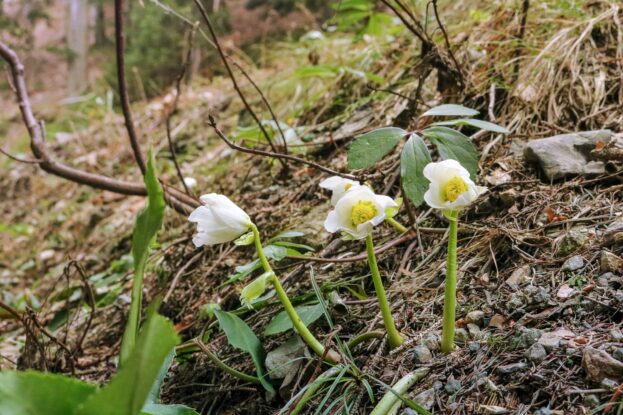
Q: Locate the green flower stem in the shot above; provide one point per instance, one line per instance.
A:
(330, 356)
(396, 225)
(223, 366)
(449, 304)
(395, 339)
(365, 336)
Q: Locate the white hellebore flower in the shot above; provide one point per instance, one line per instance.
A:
(358, 211)
(190, 182)
(219, 220)
(450, 186)
(338, 186)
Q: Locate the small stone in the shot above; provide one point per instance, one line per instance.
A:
(616, 335)
(511, 368)
(426, 399)
(498, 321)
(438, 385)
(613, 234)
(609, 262)
(473, 330)
(565, 291)
(618, 354)
(431, 340)
(452, 386)
(47, 254)
(591, 401)
(550, 341)
(570, 242)
(475, 317)
(461, 335)
(536, 353)
(493, 410)
(570, 351)
(520, 276)
(473, 346)
(598, 364)
(543, 411)
(573, 264)
(528, 337)
(516, 302)
(609, 384)
(604, 279)
(422, 354)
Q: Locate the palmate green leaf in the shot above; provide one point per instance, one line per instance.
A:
(282, 322)
(148, 223)
(451, 144)
(240, 336)
(413, 158)
(371, 147)
(450, 110)
(484, 125)
(36, 393)
(129, 390)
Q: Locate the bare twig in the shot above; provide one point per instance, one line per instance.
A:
(445, 37)
(212, 123)
(21, 160)
(175, 198)
(123, 91)
(178, 92)
(417, 31)
(491, 107)
(223, 56)
(520, 36)
(90, 295)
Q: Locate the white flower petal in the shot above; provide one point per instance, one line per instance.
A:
(220, 220)
(332, 224)
(439, 174)
(338, 186)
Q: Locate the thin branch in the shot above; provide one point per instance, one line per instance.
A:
(212, 123)
(223, 56)
(21, 160)
(418, 33)
(445, 37)
(525, 6)
(178, 92)
(123, 91)
(174, 197)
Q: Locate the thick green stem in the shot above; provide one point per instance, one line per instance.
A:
(449, 304)
(329, 355)
(396, 225)
(395, 339)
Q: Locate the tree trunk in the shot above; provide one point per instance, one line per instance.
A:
(78, 45)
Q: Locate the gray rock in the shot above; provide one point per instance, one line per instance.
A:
(618, 354)
(550, 341)
(426, 398)
(473, 346)
(461, 335)
(573, 264)
(438, 385)
(473, 330)
(516, 302)
(528, 337)
(613, 235)
(609, 262)
(543, 411)
(431, 340)
(570, 242)
(567, 155)
(616, 335)
(422, 354)
(511, 368)
(475, 317)
(452, 386)
(286, 359)
(570, 351)
(536, 353)
(605, 278)
(598, 365)
(609, 384)
(520, 276)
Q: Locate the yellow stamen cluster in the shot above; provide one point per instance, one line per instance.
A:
(362, 212)
(454, 188)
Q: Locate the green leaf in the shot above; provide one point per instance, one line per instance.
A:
(148, 223)
(392, 211)
(289, 234)
(452, 144)
(275, 252)
(321, 71)
(240, 336)
(246, 239)
(371, 147)
(255, 289)
(129, 389)
(295, 245)
(413, 158)
(450, 110)
(281, 322)
(484, 125)
(36, 393)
